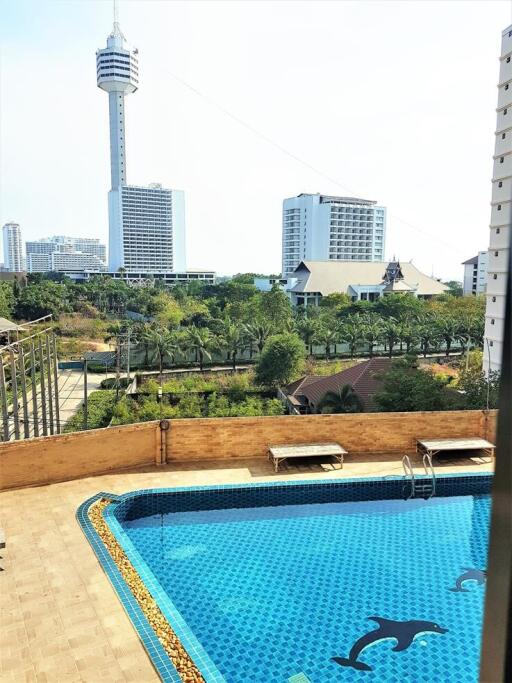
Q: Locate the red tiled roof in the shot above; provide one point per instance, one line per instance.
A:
(362, 377)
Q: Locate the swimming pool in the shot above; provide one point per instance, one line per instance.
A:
(307, 582)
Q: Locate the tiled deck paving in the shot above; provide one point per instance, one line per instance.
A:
(60, 618)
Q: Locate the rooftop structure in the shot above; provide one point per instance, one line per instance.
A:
(321, 227)
(144, 277)
(501, 213)
(13, 254)
(304, 395)
(368, 281)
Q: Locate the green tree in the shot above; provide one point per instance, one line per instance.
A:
(447, 329)
(258, 331)
(307, 329)
(406, 388)
(343, 401)
(352, 332)
(327, 336)
(232, 340)
(479, 391)
(282, 359)
(201, 341)
(427, 334)
(165, 345)
(372, 331)
(6, 299)
(391, 334)
(37, 300)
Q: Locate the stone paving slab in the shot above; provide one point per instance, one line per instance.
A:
(61, 620)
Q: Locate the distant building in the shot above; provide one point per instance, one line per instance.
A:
(475, 274)
(146, 224)
(13, 252)
(61, 253)
(501, 213)
(305, 394)
(147, 229)
(312, 280)
(324, 228)
(143, 277)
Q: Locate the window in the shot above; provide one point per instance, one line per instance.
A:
(498, 230)
(493, 299)
(499, 207)
(495, 277)
(496, 253)
(491, 343)
(506, 86)
(502, 159)
(492, 321)
(505, 111)
(508, 60)
(500, 184)
(503, 136)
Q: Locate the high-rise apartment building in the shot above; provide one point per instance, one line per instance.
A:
(501, 213)
(146, 224)
(475, 274)
(13, 251)
(323, 228)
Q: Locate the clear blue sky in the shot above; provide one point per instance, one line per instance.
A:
(394, 101)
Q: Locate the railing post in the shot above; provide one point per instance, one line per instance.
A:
(14, 389)
(43, 387)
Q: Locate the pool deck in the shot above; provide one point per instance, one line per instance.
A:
(61, 620)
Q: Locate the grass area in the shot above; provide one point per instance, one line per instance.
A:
(204, 382)
(327, 367)
(100, 408)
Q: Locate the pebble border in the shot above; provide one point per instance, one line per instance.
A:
(186, 668)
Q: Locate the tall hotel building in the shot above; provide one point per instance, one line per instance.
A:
(13, 253)
(323, 228)
(146, 224)
(501, 213)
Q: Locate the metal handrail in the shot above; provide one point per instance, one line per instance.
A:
(429, 471)
(409, 472)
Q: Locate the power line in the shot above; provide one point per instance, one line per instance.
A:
(298, 159)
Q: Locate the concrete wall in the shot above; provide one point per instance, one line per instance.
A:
(59, 458)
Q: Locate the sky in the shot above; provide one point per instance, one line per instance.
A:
(242, 104)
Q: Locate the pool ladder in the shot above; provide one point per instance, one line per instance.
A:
(424, 487)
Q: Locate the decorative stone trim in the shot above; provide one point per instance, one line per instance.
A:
(169, 640)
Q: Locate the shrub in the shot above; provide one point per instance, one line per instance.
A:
(99, 413)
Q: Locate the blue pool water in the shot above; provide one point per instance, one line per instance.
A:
(272, 592)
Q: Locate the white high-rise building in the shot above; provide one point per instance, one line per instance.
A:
(13, 253)
(323, 228)
(146, 224)
(501, 213)
(63, 244)
(475, 274)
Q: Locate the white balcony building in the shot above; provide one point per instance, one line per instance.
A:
(475, 274)
(501, 200)
(324, 228)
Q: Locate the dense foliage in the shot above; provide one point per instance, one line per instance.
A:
(100, 408)
(282, 358)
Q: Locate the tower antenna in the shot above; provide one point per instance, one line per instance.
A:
(115, 11)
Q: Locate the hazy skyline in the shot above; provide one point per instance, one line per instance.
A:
(391, 101)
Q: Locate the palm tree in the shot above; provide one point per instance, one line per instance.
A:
(258, 331)
(232, 339)
(164, 343)
(372, 327)
(351, 332)
(307, 329)
(144, 336)
(427, 334)
(345, 400)
(201, 341)
(391, 334)
(328, 336)
(447, 329)
(408, 332)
